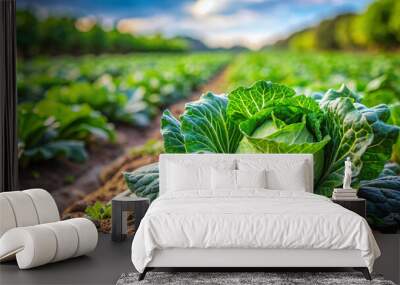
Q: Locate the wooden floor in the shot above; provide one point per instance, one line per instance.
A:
(103, 266)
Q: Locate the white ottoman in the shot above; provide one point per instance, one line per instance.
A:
(31, 232)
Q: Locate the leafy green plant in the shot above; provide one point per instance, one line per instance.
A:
(144, 181)
(274, 120)
(270, 118)
(78, 122)
(99, 211)
(204, 127)
(51, 129)
(374, 77)
(75, 98)
(395, 120)
(38, 138)
(113, 105)
(383, 199)
(151, 147)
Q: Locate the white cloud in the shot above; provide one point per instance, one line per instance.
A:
(203, 8)
(245, 27)
(250, 28)
(320, 2)
(167, 23)
(220, 22)
(252, 40)
(145, 25)
(227, 30)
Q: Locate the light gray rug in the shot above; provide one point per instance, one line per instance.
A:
(240, 278)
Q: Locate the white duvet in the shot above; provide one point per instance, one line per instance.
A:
(250, 219)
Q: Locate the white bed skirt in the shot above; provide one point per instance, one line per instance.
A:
(189, 257)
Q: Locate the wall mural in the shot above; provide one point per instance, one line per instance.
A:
(98, 102)
(271, 118)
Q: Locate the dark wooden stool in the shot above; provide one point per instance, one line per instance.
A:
(357, 205)
(121, 207)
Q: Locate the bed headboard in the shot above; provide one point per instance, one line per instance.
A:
(209, 158)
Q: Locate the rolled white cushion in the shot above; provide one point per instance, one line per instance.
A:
(45, 205)
(87, 235)
(7, 218)
(33, 246)
(41, 244)
(23, 208)
(26, 208)
(66, 239)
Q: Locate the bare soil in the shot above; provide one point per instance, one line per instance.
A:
(71, 184)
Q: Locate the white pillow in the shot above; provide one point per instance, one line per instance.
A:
(281, 174)
(226, 179)
(187, 175)
(183, 178)
(223, 179)
(251, 179)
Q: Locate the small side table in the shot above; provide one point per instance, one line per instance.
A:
(357, 205)
(121, 206)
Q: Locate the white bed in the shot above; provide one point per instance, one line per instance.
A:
(248, 227)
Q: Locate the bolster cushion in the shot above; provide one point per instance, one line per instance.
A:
(26, 208)
(40, 244)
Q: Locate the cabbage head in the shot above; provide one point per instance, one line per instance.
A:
(271, 118)
(274, 120)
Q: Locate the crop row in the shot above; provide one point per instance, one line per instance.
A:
(66, 102)
(374, 78)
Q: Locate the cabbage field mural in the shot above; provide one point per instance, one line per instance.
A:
(271, 118)
(72, 100)
(104, 89)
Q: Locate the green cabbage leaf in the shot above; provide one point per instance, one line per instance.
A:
(271, 118)
(144, 181)
(171, 132)
(203, 128)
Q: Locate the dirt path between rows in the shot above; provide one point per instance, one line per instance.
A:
(70, 182)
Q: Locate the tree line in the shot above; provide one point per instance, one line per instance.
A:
(378, 27)
(55, 35)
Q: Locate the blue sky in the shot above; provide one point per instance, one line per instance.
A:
(251, 23)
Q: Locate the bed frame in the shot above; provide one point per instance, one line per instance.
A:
(242, 259)
(245, 258)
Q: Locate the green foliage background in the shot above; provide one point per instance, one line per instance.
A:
(65, 103)
(378, 27)
(57, 35)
